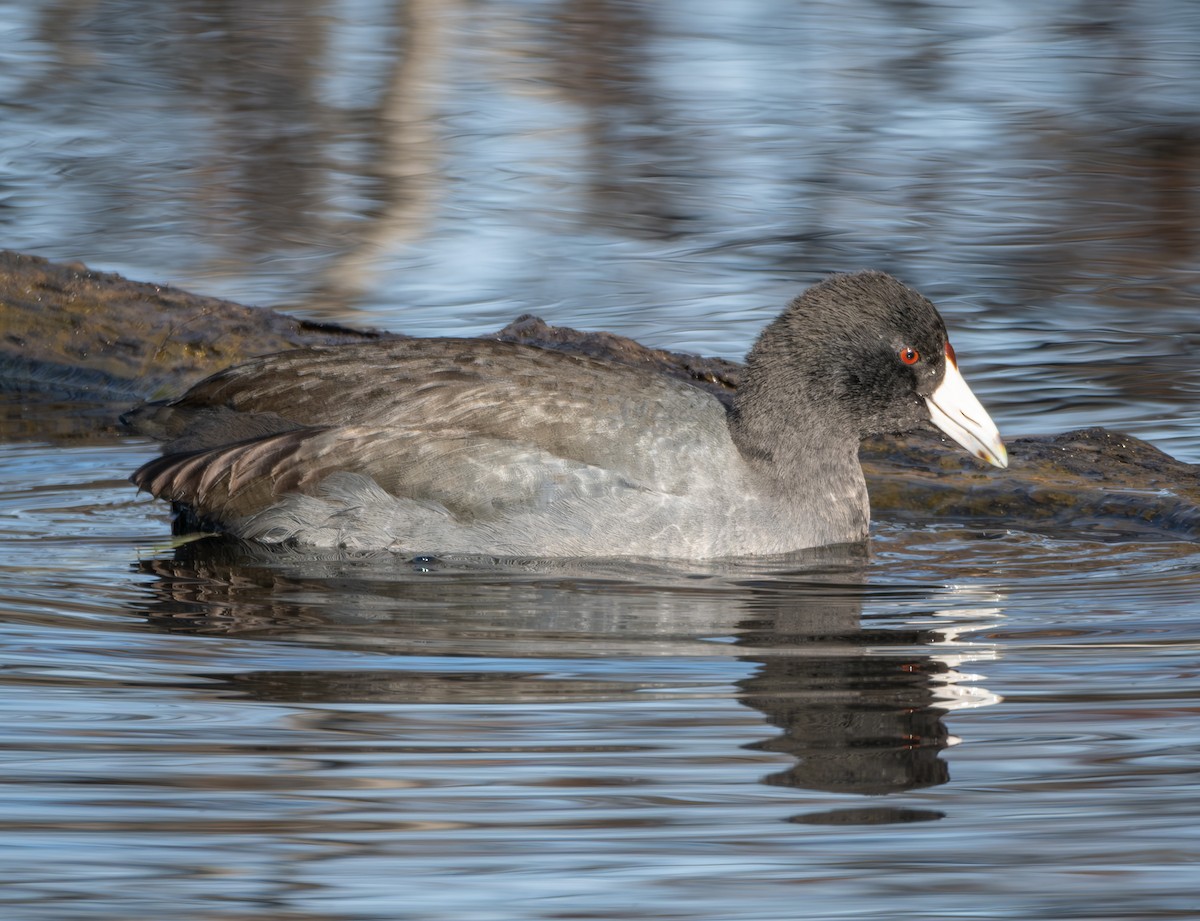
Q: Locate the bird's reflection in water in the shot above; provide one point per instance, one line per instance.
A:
(861, 709)
(855, 722)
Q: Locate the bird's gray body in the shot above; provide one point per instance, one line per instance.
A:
(474, 446)
(484, 447)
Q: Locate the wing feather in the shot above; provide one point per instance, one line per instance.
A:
(651, 430)
(472, 478)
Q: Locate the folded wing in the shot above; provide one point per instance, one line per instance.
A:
(475, 427)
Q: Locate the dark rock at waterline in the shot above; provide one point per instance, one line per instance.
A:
(72, 334)
(67, 330)
(1089, 483)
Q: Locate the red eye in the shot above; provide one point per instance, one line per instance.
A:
(910, 356)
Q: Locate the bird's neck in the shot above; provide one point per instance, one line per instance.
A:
(802, 456)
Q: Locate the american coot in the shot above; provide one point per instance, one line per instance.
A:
(479, 446)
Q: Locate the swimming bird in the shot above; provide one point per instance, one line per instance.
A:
(477, 446)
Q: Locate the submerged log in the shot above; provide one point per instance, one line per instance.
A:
(96, 337)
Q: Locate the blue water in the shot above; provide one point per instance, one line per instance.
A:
(965, 723)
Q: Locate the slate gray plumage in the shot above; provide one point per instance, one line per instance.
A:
(477, 446)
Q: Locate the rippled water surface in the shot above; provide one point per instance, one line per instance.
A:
(961, 723)
(203, 732)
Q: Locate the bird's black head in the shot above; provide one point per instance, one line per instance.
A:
(863, 354)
